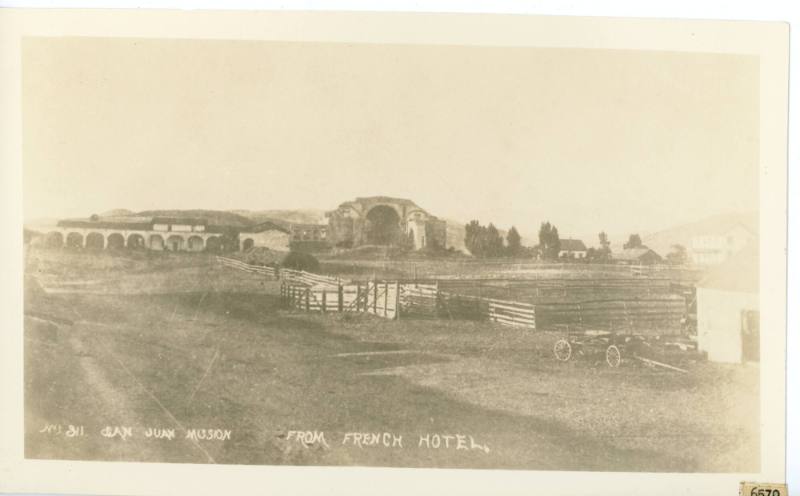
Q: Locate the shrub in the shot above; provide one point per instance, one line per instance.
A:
(301, 261)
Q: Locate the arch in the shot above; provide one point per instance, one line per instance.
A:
(412, 238)
(247, 244)
(416, 214)
(95, 241)
(175, 242)
(383, 205)
(115, 241)
(135, 241)
(74, 240)
(53, 239)
(196, 243)
(156, 242)
(383, 226)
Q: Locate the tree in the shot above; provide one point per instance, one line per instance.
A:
(604, 252)
(549, 244)
(473, 238)
(301, 261)
(555, 243)
(604, 243)
(229, 239)
(494, 242)
(634, 241)
(483, 241)
(514, 242)
(678, 255)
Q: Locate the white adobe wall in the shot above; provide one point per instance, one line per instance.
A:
(719, 322)
(272, 239)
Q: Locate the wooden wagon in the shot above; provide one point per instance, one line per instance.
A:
(616, 346)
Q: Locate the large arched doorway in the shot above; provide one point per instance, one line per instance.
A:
(195, 243)
(156, 242)
(383, 226)
(175, 243)
(95, 241)
(135, 241)
(116, 241)
(247, 244)
(54, 240)
(74, 240)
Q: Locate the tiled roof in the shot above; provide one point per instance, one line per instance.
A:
(572, 245)
(265, 226)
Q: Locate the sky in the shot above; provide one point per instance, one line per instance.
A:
(615, 140)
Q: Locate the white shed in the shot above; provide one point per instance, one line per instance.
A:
(265, 235)
(728, 309)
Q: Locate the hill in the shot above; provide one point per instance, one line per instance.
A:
(214, 217)
(302, 216)
(118, 212)
(662, 241)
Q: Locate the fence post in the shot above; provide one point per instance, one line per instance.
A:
(437, 297)
(385, 299)
(375, 296)
(324, 300)
(308, 299)
(341, 298)
(397, 301)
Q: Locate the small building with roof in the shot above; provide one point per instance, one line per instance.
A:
(728, 309)
(265, 235)
(571, 248)
(714, 248)
(636, 256)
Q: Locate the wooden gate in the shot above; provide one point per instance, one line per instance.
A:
(378, 298)
(381, 298)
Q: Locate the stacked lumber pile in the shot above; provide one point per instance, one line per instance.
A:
(663, 315)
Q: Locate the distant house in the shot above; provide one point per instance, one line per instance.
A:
(716, 248)
(571, 248)
(309, 232)
(632, 256)
(728, 309)
(265, 235)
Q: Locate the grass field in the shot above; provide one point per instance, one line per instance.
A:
(177, 341)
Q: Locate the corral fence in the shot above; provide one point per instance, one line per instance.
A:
(647, 316)
(378, 298)
(294, 276)
(246, 267)
(394, 299)
(301, 277)
(620, 305)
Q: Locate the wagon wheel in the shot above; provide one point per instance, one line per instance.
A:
(613, 356)
(562, 350)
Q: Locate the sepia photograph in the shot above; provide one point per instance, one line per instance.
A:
(354, 253)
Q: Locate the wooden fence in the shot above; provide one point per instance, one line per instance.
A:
(647, 316)
(393, 299)
(377, 298)
(550, 305)
(300, 277)
(254, 269)
(304, 278)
